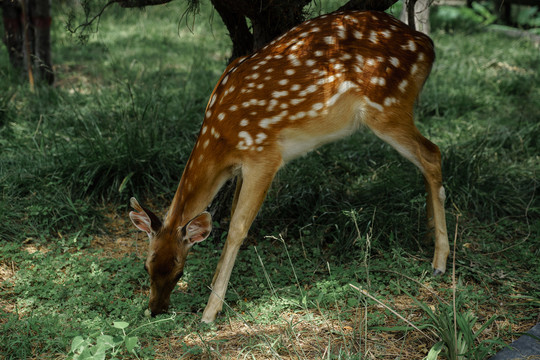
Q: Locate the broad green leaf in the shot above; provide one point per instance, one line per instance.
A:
(120, 324)
(433, 353)
(131, 343)
(77, 343)
(105, 341)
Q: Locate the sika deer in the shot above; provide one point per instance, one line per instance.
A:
(317, 83)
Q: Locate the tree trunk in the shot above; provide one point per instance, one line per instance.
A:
(239, 33)
(27, 37)
(421, 15)
(268, 19)
(13, 30)
(40, 19)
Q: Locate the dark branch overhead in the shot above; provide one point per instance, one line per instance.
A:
(140, 3)
(267, 19)
(378, 5)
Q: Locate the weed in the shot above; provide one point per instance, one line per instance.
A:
(456, 329)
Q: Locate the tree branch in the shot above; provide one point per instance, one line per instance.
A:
(140, 3)
(378, 5)
(122, 3)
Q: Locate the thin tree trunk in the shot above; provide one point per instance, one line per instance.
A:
(13, 30)
(239, 33)
(28, 42)
(419, 16)
(41, 22)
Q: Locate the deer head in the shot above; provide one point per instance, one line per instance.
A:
(168, 249)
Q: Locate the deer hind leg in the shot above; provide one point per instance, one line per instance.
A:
(407, 140)
(250, 194)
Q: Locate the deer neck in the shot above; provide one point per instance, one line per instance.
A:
(201, 180)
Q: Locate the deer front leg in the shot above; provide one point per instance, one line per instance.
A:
(249, 198)
(234, 203)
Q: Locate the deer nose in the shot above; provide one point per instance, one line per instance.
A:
(158, 311)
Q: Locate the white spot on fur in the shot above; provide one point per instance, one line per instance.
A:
(213, 100)
(246, 141)
(273, 103)
(310, 89)
(294, 60)
(278, 94)
(411, 45)
(343, 88)
(330, 40)
(394, 61)
(373, 37)
(373, 104)
(298, 115)
(378, 81)
(403, 85)
(390, 101)
(260, 138)
(265, 123)
(317, 106)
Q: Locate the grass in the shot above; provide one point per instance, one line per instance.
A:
(121, 121)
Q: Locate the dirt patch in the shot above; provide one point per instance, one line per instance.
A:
(305, 335)
(7, 279)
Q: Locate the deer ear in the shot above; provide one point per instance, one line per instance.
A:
(144, 219)
(198, 228)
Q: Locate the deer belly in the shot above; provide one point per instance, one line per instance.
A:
(322, 129)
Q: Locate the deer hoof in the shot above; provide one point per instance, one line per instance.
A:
(437, 272)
